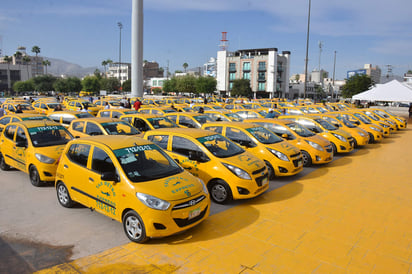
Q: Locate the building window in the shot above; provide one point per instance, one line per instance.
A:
(232, 76)
(261, 86)
(230, 86)
(246, 66)
(232, 67)
(246, 75)
(155, 83)
(261, 76)
(262, 66)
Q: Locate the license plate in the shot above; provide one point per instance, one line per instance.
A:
(300, 163)
(265, 181)
(194, 213)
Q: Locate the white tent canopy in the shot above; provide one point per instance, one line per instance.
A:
(393, 91)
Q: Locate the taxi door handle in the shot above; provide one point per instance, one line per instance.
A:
(91, 179)
(65, 166)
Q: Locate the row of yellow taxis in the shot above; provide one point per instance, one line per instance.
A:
(155, 170)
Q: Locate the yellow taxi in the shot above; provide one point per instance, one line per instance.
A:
(342, 142)
(315, 149)
(79, 105)
(189, 119)
(360, 136)
(281, 158)
(228, 170)
(250, 113)
(11, 118)
(10, 108)
(133, 181)
(208, 107)
(112, 103)
(145, 122)
(33, 147)
(65, 117)
(375, 132)
(225, 116)
(115, 113)
(386, 121)
(45, 107)
(85, 127)
(400, 121)
(233, 106)
(385, 126)
(157, 110)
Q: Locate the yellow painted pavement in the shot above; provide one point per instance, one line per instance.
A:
(353, 215)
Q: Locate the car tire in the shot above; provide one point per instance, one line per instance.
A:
(134, 227)
(334, 148)
(34, 176)
(271, 171)
(63, 195)
(3, 165)
(371, 138)
(307, 160)
(220, 192)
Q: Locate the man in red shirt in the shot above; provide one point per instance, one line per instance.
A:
(137, 104)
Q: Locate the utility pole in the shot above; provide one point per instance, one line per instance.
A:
(333, 78)
(306, 59)
(320, 53)
(120, 25)
(137, 48)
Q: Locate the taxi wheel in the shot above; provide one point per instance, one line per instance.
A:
(3, 165)
(34, 176)
(307, 160)
(220, 192)
(371, 138)
(334, 149)
(271, 171)
(63, 195)
(134, 227)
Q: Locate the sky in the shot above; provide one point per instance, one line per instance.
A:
(86, 32)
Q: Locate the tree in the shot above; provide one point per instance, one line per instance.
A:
(105, 63)
(91, 84)
(170, 85)
(185, 65)
(46, 63)
(23, 86)
(18, 56)
(26, 59)
(110, 84)
(186, 84)
(297, 77)
(409, 72)
(356, 84)
(205, 85)
(44, 83)
(127, 85)
(68, 85)
(36, 50)
(8, 60)
(241, 87)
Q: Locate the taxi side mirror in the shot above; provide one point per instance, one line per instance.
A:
(285, 136)
(21, 144)
(198, 156)
(110, 176)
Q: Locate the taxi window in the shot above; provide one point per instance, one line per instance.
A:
(79, 153)
(141, 125)
(36, 105)
(119, 128)
(93, 129)
(9, 132)
(215, 129)
(186, 121)
(98, 103)
(184, 146)
(21, 136)
(127, 119)
(116, 114)
(101, 162)
(146, 110)
(239, 137)
(160, 140)
(105, 114)
(5, 120)
(172, 117)
(78, 126)
(55, 118)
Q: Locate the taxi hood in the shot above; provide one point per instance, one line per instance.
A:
(246, 161)
(285, 147)
(53, 152)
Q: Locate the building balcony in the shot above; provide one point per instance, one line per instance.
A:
(232, 69)
(261, 79)
(261, 69)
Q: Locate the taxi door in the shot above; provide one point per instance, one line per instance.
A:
(20, 148)
(8, 145)
(104, 193)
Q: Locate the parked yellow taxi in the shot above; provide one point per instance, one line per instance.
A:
(33, 147)
(85, 127)
(145, 122)
(225, 116)
(45, 107)
(342, 142)
(360, 136)
(10, 108)
(383, 121)
(315, 149)
(400, 121)
(228, 170)
(115, 113)
(250, 113)
(11, 118)
(133, 181)
(281, 157)
(157, 110)
(189, 119)
(386, 130)
(82, 105)
(65, 117)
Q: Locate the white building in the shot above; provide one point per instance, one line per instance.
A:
(122, 72)
(267, 71)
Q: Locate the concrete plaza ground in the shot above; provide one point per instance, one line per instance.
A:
(353, 215)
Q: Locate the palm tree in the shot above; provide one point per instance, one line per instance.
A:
(17, 56)
(46, 63)
(8, 60)
(36, 50)
(26, 59)
(185, 65)
(104, 64)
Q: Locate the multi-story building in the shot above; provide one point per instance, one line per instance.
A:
(209, 69)
(267, 71)
(152, 70)
(122, 72)
(373, 72)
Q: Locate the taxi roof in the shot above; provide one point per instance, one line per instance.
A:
(193, 132)
(98, 119)
(232, 124)
(36, 123)
(113, 141)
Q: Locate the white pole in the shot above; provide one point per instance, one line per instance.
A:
(137, 48)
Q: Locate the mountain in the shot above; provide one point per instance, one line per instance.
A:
(60, 67)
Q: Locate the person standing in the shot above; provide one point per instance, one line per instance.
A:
(137, 104)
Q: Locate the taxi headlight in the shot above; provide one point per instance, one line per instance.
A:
(400, 120)
(361, 133)
(384, 125)
(238, 172)
(205, 190)
(314, 145)
(279, 154)
(152, 201)
(44, 159)
(376, 129)
(339, 137)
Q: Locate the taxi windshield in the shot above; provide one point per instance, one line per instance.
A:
(363, 118)
(26, 107)
(300, 130)
(40, 117)
(88, 104)
(220, 146)
(119, 128)
(84, 115)
(234, 117)
(49, 136)
(325, 124)
(162, 122)
(203, 119)
(146, 162)
(264, 136)
(348, 123)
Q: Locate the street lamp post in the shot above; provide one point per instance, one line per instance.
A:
(120, 25)
(306, 59)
